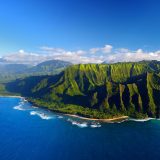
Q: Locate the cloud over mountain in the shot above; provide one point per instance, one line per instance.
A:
(107, 53)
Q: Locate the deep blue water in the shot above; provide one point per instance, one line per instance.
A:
(28, 133)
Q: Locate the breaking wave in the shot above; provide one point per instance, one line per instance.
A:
(83, 124)
(96, 125)
(19, 107)
(41, 115)
(60, 117)
(141, 120)
(79, 124)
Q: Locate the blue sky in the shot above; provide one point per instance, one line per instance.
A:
(73, 25)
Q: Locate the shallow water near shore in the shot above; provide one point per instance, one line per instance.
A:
(30, 133)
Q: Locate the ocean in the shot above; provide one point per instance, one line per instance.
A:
(31, 133)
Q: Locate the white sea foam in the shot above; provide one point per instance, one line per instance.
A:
(34, 107)
(141, 120)
(79, 124)
(19, 107)
(96, 125)
(41, 115)
(121, 121)
(21, 103)
(25, 100)
(60, 117)
(33, 113)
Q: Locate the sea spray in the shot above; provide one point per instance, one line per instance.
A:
(19, 107)
(141, 120)
(41, 115)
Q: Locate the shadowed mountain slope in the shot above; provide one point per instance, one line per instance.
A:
(97, 90)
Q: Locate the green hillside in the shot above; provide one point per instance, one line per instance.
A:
(97, 90)
(9, 72)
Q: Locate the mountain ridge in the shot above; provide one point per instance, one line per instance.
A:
(97, 90)
(13, 71)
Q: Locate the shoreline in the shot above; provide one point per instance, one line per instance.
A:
(101, 120)
(107, 120)
(12, 96)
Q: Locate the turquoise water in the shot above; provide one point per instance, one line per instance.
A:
(28, 133)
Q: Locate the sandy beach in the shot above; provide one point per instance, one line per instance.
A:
(11, 96)
(102, 120)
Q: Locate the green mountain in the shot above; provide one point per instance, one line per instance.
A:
(10, 72)
(97, 90)
(13, 68)
(50, 67)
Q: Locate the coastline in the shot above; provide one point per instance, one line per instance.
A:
(106, 120)
(101, 120)
(11, 96)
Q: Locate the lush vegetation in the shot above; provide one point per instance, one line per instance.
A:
(75, 109)
(97, 90)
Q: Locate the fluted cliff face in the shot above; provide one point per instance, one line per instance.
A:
(128, 88)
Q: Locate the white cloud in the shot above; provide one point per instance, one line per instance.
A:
(79, 56)
(94, 50)
(133, 56)
(21, 51)
(76, 59)
(46, 49)
(81, 52)
(123, 50)
(93, 55)
(24, 57)
(106, 49)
